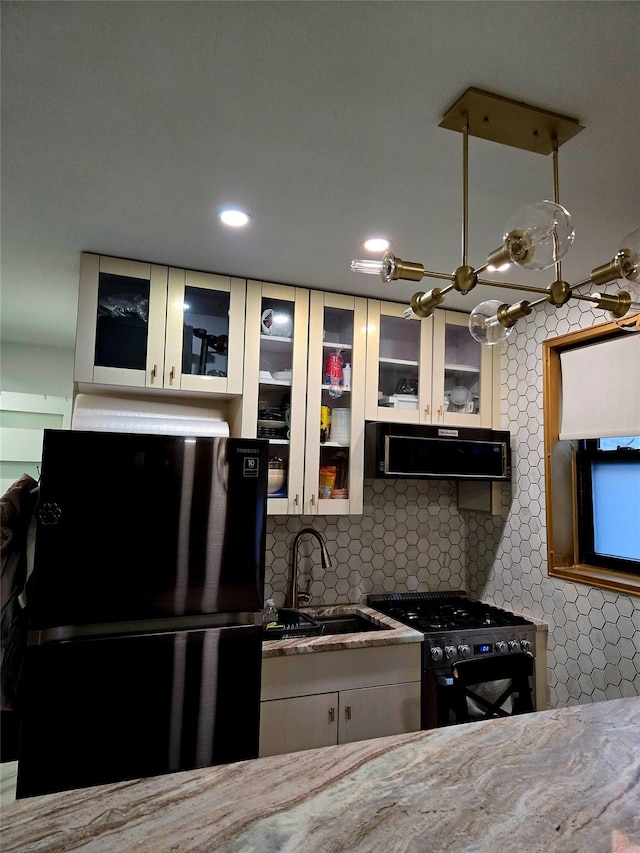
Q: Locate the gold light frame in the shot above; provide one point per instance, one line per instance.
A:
(498, 119)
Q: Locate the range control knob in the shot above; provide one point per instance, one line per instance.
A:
(449, 652)
(436, 653)
(525, 645)
(514, 646)
(463, 650)
(501, 646)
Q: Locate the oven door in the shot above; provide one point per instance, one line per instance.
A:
(438, 698)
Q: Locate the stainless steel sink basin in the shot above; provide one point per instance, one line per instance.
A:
(349, 623)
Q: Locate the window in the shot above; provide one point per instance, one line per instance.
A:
(591, 393)
(608, 502)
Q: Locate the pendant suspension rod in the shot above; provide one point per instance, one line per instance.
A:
(465, 186)
(556, 198)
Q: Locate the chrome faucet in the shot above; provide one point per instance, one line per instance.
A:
(294, 592)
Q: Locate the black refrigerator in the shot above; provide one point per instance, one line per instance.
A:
(144, 608)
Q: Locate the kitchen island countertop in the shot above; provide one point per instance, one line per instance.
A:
(561, 780)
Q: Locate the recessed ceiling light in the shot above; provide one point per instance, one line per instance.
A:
(235, 218)
(377, 244)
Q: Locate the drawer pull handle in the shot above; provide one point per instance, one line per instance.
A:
(347, 712)
(332, 714)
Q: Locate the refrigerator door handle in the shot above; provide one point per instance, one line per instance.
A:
(147, 626)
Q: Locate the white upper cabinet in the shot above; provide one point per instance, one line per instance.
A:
(399, 365)
(146, 326)
(334, 456)
(275, 386)
(290, 336)
(462, 373)
(428, 371)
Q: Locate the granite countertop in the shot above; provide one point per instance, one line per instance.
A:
(393, 632)
(560, 781)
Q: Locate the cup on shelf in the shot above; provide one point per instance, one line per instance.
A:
(340, 425)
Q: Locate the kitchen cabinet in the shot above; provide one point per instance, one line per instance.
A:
(337, 325)
(290, 333)
(148, 326)
(399, 365)
(428, 371)
(341, 696)
(463, 374)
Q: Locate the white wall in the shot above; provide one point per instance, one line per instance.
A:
(36, 370)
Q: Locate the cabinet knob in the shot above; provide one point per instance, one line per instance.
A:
(172, 375)
(440, 411)
(332, 714)
(154, 373)
(347, 712)
(427, 410)
(313, 500)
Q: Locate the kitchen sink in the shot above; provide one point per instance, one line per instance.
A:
(292, 624)
(348, 623)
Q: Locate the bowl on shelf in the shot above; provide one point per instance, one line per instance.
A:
(282, 375)
(276, 476)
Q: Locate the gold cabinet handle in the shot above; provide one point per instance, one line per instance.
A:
(347, 712)
(154, 373)
(313, 500)
(172, 375)
(332, 715)
(296, 500)
(440, 411)
(427, 410)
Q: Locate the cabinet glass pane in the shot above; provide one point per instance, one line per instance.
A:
(335, 413)
(205, 342)
(122, 326)
(274, 398)
(398, 372)
(461, 371)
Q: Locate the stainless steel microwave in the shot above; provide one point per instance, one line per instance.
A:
(436, 452)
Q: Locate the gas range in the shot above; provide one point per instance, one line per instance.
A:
(455, 626)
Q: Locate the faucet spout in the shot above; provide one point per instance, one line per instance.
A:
(292, 596)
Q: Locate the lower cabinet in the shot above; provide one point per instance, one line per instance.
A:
(326, 698)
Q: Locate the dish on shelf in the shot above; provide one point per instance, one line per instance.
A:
(460, 395)
(272, 424)
(264, 374)
(282, 375)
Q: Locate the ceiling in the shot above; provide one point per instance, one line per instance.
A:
(127, 125)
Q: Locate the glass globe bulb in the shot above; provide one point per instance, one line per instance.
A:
(539, 235)
(485, 326)
(628, 256)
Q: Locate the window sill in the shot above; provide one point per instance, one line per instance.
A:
(604, 578)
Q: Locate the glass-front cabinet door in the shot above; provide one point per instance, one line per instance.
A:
(121, 322)
(399, 362)
(205, 332)
(334, 455)
(274, 396)
(462, 373)
(145, 326)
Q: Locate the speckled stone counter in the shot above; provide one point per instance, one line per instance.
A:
(563, 780)
(391, 632)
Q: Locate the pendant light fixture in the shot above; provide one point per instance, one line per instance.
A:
(537, 237)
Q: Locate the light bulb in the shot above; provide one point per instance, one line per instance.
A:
(628, 256)
(484, 325)
(367, 267)
(377, 244)
(539, 235)
(234, 218)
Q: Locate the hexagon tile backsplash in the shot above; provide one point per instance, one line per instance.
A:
(412, 537)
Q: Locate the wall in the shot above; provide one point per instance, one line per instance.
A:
(37, 370)
(411, 536)
(594, 635)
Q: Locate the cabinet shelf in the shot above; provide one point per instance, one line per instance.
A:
(397, 362)
(344, 390)
(331, 345)
(462, 368)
